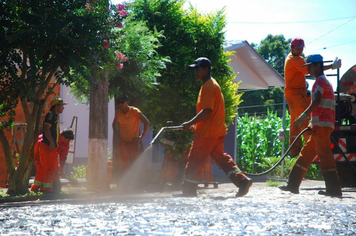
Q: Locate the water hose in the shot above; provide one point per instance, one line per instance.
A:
(283, 157)
(82, 184)
(285, 154)
(249, 174)
(275, 165)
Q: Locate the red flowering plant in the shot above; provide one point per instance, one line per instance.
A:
(105, 55)
(113, 15)
(130, 55)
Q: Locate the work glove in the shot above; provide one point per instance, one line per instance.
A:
(336, 64)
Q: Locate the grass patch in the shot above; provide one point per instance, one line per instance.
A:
(274, 183)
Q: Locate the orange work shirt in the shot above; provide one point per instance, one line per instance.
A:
(294, 74)
(129, 123)
(210, 96)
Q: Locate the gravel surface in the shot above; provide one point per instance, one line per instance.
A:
(263, 211)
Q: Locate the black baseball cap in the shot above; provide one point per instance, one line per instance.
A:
(123, 98)
(200, 62)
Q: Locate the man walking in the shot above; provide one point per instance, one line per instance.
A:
(209, 136)
(295, 90)
(322, 114)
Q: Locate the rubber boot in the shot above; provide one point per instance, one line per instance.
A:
(332, 184)
(241, 181)
(188, 190)
(57, 186)
(294, 180)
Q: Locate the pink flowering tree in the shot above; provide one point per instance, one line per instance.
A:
(131, 67)
(41, 42)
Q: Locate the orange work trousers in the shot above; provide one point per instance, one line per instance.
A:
(128, 153)
(200, 151)
(321, 143)
(297, 105)
(46, 168)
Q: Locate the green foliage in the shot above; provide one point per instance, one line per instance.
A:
(274, 183)
(187, 35)
(259, 147)
(257, 139)
(182, 142)
(40, 43)
(79, 172)
(268, 162)
(257, 102)
(141, 65)
(314, 172)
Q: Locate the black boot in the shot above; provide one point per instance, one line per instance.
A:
(332, 184)
(294, 180)
(244, 187)
(188, 190)
(289, 187)
(240, 180)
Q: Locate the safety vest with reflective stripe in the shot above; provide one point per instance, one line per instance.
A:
(324, 114)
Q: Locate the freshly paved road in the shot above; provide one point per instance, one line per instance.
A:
(263, 211)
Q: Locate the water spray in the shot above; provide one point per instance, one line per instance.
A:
(136, 177)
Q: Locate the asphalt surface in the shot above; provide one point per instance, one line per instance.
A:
(216, 211)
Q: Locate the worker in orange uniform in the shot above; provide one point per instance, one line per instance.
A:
(66, 136)
(126, 124)
(63, 147)
(48, 148)
(295, 90)
(322, 114)
(209, 136)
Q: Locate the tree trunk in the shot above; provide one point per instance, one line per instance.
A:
(98, 134)
(19, 178)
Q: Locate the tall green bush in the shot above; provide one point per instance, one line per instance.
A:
(188, 35)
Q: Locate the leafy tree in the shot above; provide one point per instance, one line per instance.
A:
(274, 50)
(136, 45)
(40, 41)
(187, 35)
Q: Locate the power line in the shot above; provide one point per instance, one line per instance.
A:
(332, 30)
(290, 22)
(337, 45)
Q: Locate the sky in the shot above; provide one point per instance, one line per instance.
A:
(328, 27)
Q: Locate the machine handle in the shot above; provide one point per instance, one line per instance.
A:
(173, 127)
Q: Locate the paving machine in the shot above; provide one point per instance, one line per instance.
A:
(344, 134)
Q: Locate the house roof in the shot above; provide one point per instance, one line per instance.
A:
(254, 72)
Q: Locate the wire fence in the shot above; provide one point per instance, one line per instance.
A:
(278, 107)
